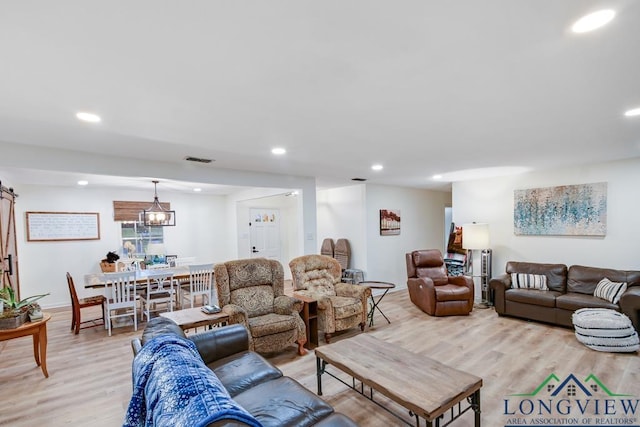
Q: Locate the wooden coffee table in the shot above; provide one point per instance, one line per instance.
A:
(194, 318)
(427, 388)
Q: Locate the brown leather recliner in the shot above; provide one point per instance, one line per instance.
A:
(432, 290)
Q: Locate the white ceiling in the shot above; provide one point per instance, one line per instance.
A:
(422, 87)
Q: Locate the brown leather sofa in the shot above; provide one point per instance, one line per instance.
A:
(252, 382)
(569, 290)
(432, 290)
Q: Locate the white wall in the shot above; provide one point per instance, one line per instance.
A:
(354, 213)
(342, 215)
(43, 265)
(54, 160)
(422, 222)
(491, 201)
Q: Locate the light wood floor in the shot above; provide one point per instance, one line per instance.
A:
(89, 380)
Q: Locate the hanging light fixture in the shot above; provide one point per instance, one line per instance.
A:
(156, 214)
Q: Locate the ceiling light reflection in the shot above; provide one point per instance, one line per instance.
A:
(593, 21)
(481, 173)
(88, 117)
(632, 113)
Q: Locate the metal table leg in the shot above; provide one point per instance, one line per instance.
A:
(374, 306)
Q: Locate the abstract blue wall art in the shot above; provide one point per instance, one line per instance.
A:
(568, 210)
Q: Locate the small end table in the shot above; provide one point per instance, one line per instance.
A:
(37, 329)
(310, 317)
(375, 303)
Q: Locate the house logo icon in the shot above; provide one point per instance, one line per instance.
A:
(571, 401)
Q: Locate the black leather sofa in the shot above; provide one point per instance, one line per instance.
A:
(253, 382)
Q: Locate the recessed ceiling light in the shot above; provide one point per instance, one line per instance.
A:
(83, 182)
(197, 190)
(88, 117)
(593, 21)
(278, 151)
(633, 112)
(437, 176)
(377, 167)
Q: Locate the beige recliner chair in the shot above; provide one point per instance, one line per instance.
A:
(340, 305)
(251, 292)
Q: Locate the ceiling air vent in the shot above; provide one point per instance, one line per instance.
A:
(358, 179)
(197, 159)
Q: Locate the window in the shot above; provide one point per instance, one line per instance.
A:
(140, 236)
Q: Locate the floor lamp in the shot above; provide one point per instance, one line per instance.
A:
(475, 237)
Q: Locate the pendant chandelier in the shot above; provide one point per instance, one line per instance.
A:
(156, 214)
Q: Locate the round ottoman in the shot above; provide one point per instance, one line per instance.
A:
(602, 329)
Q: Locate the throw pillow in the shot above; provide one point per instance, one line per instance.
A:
(611, 291)
(529, 281)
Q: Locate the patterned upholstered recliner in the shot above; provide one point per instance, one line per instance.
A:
(251, 292)
(340, 305)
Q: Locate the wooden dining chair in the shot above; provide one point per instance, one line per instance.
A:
(122, 298)
(182, 284)
(201, 283)
(159, 291)
(77, 304)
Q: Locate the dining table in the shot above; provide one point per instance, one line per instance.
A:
(181, 277)
(98, 280)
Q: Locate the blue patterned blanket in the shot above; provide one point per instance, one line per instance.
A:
(173, 387)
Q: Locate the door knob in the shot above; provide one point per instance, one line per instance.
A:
(254, 250)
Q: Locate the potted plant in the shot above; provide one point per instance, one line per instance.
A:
(15, 312)
(107, 265)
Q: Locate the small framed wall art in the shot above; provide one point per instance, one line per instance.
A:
(389, 222)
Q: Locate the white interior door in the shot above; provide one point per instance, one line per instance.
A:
(264, 233)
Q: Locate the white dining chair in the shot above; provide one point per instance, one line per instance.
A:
(122, 299)
(159, 291)
(183, 284)
(182, 261)
(127, 264)
(158, 266)
(200, 284)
